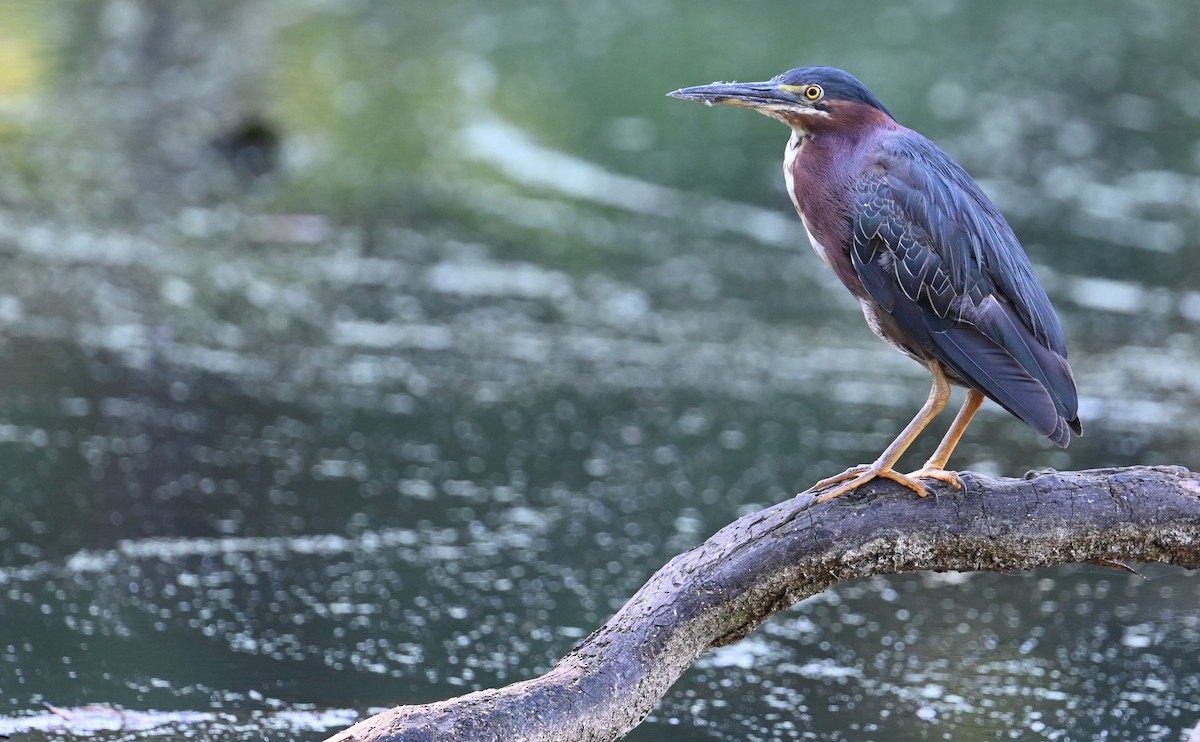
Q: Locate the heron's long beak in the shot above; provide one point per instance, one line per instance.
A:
(757, 95)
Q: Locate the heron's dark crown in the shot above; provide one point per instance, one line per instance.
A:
(837, 84)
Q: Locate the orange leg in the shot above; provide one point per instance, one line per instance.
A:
(935, 468)
(882, 467)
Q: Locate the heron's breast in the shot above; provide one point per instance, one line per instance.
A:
(827, 227)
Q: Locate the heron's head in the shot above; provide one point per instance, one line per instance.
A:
(806, 98)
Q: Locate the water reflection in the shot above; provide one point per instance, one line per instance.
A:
(970, 654)
(374, 354)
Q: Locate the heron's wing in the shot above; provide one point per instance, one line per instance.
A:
(936, 255)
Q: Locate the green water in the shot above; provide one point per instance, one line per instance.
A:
(372, 353)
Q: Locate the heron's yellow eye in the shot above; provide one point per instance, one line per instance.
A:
(812, 92)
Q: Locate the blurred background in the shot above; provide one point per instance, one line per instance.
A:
(364, 353)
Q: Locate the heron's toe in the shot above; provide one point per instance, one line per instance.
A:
(945, 475)
(850, 473)
(908, 480)
(861, 475)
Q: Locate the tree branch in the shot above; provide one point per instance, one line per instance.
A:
(719, 591)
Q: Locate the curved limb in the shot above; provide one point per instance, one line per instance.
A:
(882, 466)
(935, 467)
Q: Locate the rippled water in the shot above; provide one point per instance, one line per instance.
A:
(373, 354)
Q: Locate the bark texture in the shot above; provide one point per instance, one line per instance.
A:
(719, 591)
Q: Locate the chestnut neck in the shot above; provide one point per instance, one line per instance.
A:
(846, 119)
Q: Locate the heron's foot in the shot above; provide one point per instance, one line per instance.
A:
(859, 476)
(944, 475)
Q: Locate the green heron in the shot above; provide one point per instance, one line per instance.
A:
(939, 273)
